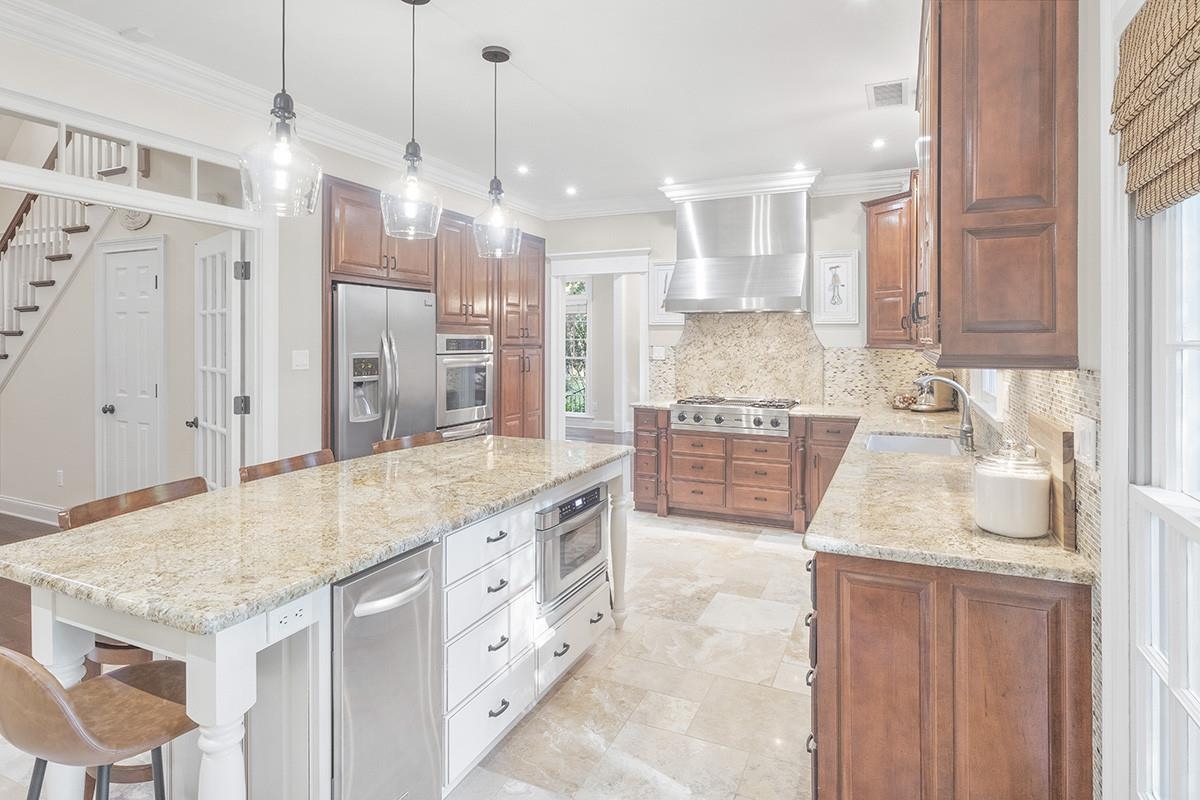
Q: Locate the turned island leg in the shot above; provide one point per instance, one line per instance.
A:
(221, 688)
(619, 490)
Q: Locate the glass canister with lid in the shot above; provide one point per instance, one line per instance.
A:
(1012, 492)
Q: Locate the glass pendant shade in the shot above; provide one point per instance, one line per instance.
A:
(497, 234)
(279, 173)
(412, 208)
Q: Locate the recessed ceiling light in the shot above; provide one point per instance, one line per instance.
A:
(798, 166)
(572, 191)
(668, 181)
(879, 144)
(523, 169)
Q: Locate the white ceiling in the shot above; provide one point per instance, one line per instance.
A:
(610, 97)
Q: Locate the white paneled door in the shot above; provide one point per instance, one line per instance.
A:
(130, 371)
(218, 358)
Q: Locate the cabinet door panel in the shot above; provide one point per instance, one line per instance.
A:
(823, 460)
(532, 393)
(533, 271)
(412, 262)
(451, 297)
(356, 231)
(512, 317)
(479, 285)
(890, 273)
(510, 411)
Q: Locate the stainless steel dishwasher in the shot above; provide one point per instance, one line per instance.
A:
(387, 678)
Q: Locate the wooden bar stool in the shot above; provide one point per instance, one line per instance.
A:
(314, 459)
(407, 442)
(110, 652)
(119, 715)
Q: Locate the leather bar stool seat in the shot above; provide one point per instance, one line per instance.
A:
(110, 718)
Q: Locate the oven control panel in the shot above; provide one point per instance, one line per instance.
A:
(584, 501)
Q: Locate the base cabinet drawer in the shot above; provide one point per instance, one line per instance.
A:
(482, 543)
(471, 729)
(833, 430)
(698, 495)
(562, 646)
(694, 444)
(473, 658)
(698, 469)
(755, 473)
(482, 593)
(645, 490)
(759, 449)
(755, 500)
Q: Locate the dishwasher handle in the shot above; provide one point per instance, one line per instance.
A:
(373, 607)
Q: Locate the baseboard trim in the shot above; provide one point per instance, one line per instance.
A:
(27, 509)
(590, 424)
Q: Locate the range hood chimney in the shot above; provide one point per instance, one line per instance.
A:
(741, 245)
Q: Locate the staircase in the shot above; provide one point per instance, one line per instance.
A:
(45, 241)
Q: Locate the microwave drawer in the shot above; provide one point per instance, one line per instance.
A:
(473, 658)
(482, 543)
(480, 594)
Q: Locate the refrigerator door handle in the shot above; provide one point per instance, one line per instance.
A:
(395, 387)
(389, 378)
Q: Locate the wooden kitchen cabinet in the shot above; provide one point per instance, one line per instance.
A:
(933, 682)
(358, 249)
(891, 271)
(465, 282)
(998, 99)
(826, 442)
(650, 429)
(522, 294)
(519, 410)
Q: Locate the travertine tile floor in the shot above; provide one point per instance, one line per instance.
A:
(702, 695)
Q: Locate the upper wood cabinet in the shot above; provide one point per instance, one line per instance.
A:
(522, 292)
(1000, 81)
(465, 282)
(891, 271)
(359, 249)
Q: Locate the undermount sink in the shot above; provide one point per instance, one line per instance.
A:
(924, 445)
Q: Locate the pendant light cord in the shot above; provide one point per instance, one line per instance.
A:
(413, 137)
(283, 47)
(495, 121)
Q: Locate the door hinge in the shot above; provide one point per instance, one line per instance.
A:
(241, 404)
(156, 283)
(241, 270)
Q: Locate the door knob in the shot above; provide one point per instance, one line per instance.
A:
(108, 408)
(194, 422)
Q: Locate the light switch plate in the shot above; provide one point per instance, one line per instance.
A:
(299, 359)
(657, 352)
(1085, 441)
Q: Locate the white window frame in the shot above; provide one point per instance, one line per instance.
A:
(989, 392)
(572, 305)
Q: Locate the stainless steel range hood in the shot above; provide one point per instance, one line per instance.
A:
(746, 253)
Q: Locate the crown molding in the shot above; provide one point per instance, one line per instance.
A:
(741, 186)
(50, 28)
(613, 207)
(883, 182)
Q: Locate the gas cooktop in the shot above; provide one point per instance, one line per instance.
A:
(753, 415)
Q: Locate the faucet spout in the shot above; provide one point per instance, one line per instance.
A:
(966, 430)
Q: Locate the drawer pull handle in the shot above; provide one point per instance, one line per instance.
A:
(498, 587)
(809, 677)
(760, 472)
(761, 499)
(697, 444)
(504, 707)
(502, 535)
(498, 645)
(563, 651)
(760, 449)
(833, 431)
(599, 616)
(810, 745)
(697, 491)
(808, 619)
(698, 467)
(808, 565)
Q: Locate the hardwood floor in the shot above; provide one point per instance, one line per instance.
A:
(598, 437)
(14, 597)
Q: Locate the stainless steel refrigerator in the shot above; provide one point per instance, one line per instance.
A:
(384, 370)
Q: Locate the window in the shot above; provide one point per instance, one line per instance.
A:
(577, 347)
(1164, 531)
(989, 391)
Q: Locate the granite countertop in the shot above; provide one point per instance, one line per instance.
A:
(205, 563)
(918, 509)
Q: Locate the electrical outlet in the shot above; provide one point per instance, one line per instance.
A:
(299, 359)
(1085, 441)
(286, 620)
(58, 476)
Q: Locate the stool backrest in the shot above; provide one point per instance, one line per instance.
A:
(314, 459)
(104, 508)
(36, 715)
(406, 442)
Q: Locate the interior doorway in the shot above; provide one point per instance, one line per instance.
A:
(218, 301)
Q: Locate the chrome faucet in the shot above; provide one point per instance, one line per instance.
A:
(966, 431)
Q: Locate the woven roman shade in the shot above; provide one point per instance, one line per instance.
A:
(1156, 104)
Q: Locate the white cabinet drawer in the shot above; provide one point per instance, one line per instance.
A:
(562, 646)
(482, 593)
(484, 650)
(482, 543)
(471, 729)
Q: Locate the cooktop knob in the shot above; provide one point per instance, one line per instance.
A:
(718, 419)
(697, 418)
(775, 422)
(682, 416)
(758, 421)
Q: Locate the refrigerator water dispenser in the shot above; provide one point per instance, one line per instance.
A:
(364, 387)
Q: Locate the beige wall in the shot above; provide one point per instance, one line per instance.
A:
(48, 410)
(601, 400)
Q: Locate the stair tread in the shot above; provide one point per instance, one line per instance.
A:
(112, 171)
(59, 257)
(12, 333)
(41, 284)
(3, 356)
(24, 309)
(76, 229)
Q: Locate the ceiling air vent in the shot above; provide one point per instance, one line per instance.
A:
(888, 93)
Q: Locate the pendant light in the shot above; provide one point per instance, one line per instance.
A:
(279, 173)
(411, 207)
(497, 234)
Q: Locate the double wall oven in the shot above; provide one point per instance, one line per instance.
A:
(466, 377)
(572, 549)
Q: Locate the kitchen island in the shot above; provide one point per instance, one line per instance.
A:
(216, 579)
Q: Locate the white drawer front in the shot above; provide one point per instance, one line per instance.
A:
(471, 729)
(481, 652)
(561, 647)
(482, 543)
(485, 591)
